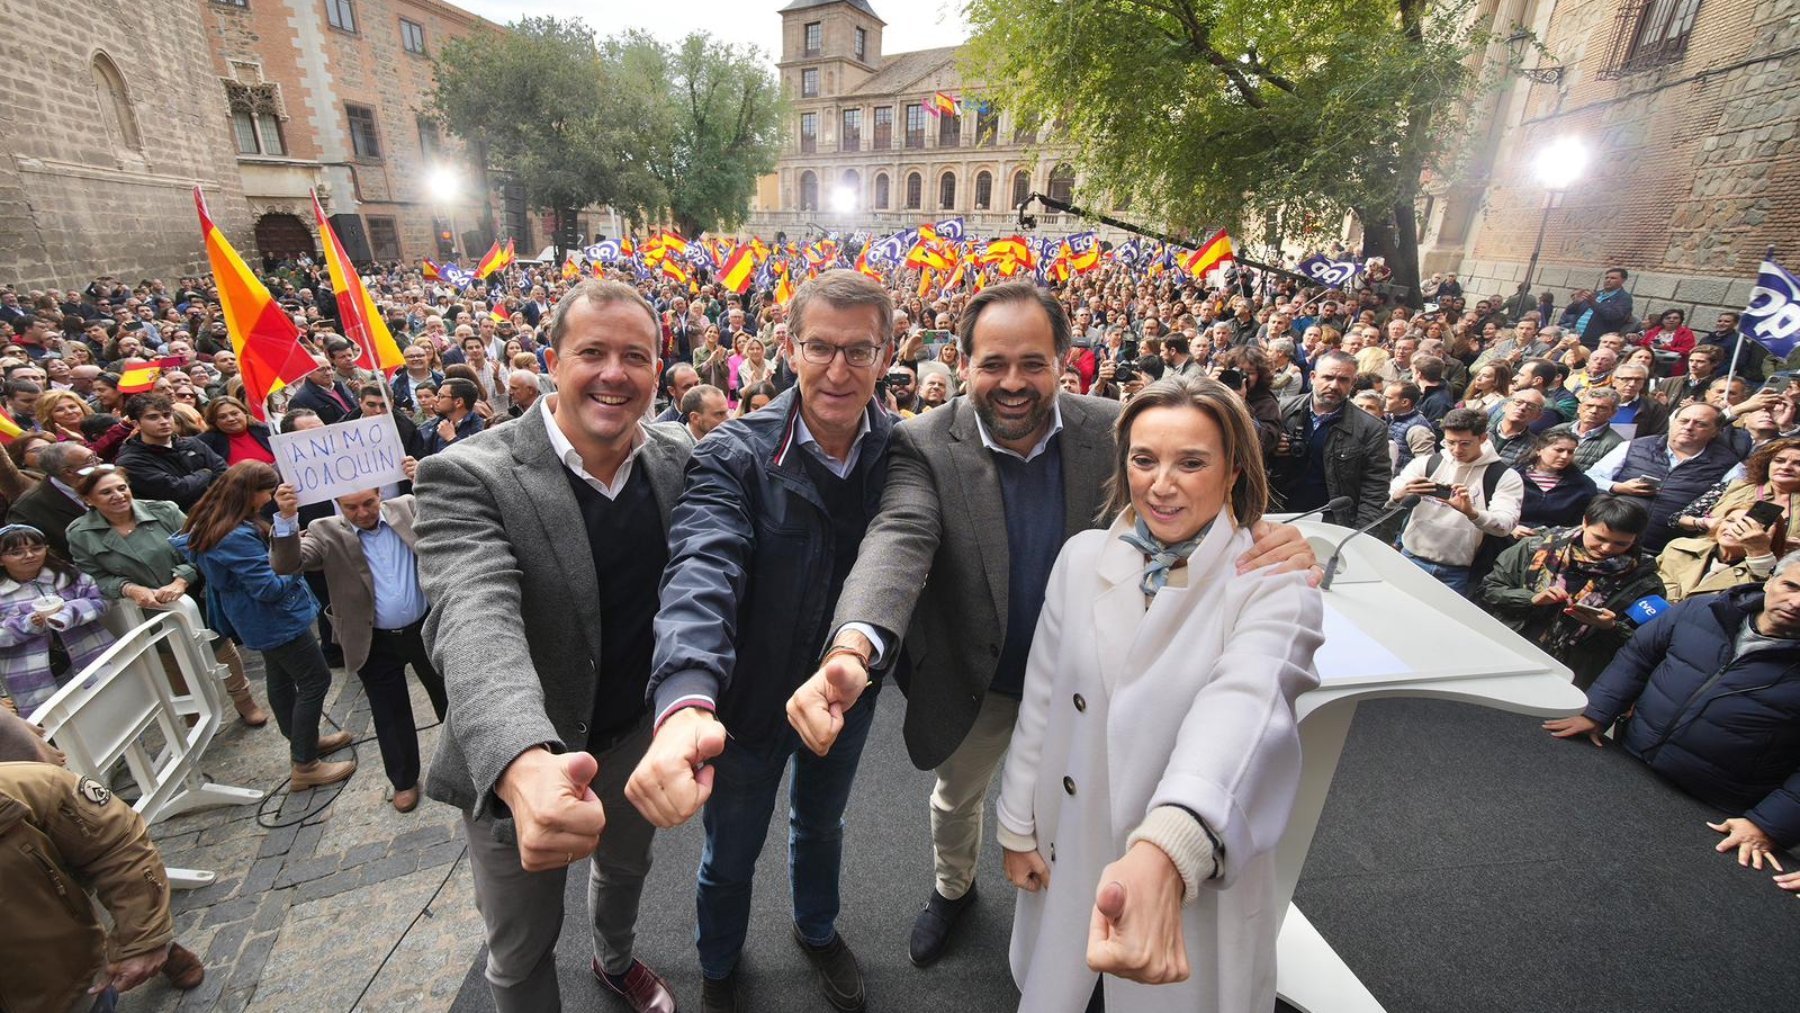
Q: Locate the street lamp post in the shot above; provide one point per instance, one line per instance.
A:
(1557, 167)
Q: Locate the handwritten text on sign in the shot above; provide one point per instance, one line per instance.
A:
(340, 459)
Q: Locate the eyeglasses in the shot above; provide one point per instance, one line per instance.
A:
(96, 469)
(820, 353)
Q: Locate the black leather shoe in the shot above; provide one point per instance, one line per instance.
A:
(839, 976)
(931, 930)
(719, 995)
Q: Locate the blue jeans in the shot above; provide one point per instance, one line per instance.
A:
(1456, 578)
(747, 778)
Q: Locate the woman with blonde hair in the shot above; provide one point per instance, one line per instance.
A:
(1156, 755)
(60, 413)
(1488, 386)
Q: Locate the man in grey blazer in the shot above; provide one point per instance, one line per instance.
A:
(980, 497)
(540, 547)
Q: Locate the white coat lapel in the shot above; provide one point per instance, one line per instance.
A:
(1174, 607)
(1119, 609)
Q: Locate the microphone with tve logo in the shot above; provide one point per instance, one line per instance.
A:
(1337, 555)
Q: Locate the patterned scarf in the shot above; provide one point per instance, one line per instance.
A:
(1162, 558)
(1561, 561)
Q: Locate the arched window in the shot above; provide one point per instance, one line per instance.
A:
(1062, 183)
(115, 102)
(1021, 187)
(947, 191)
(915, 187)
(852, 185)
(984, 190)
(881, 192)
(809, 191)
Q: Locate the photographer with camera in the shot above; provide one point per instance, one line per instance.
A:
(1469, 501)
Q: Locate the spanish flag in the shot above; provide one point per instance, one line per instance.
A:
(138, 379)
(739, 268)
(430, 269)
(494, 259)
(940, 104)
(9, 430)
(361, 321)
(671, 266)
(1215, 251)
(264, 338)
(784, 289)
(571, 271)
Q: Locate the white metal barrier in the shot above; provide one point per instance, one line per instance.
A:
(106, 714)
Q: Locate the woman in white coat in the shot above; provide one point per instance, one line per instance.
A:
(1155, 759)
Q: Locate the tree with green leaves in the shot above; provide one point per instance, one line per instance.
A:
(719, 130)
(1222, 112)
(538, 100)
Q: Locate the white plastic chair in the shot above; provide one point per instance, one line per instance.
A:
(105, 713)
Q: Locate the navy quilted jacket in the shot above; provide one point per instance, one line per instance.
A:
(1725, 730)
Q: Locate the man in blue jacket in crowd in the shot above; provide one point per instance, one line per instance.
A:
(1716, 685)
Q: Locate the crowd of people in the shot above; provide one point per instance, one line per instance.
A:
(667, 541)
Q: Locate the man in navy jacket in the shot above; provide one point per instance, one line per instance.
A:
(1716, 685)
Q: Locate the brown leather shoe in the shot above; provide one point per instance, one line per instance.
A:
(333, 742)
(183, 969)
(318, 772)
(643, 988)
(407, 799)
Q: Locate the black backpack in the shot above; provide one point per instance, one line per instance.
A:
(1491, 545)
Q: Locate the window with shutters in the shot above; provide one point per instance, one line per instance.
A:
(884, 128)
(340, 15)
(255, 118)
(365, 141)
(949, 130)
(850, 137)
(1648, 34)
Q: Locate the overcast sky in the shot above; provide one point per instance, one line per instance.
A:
(918, 24)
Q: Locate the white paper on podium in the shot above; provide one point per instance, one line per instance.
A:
(1350, 653)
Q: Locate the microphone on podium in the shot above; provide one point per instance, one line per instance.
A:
(1337, 554)
(1338, 505)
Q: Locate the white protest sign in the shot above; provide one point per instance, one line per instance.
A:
(340, 459)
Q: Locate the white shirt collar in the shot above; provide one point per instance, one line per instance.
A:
(571, 459)
(1056, 425)
(804, 437)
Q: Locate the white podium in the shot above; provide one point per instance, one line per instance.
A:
(1390, 631)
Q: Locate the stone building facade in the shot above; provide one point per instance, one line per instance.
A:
(862, 153)
(102, 141)
(1691, 112)
(331, 94)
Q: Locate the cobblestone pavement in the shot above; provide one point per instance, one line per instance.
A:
(355, 906)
